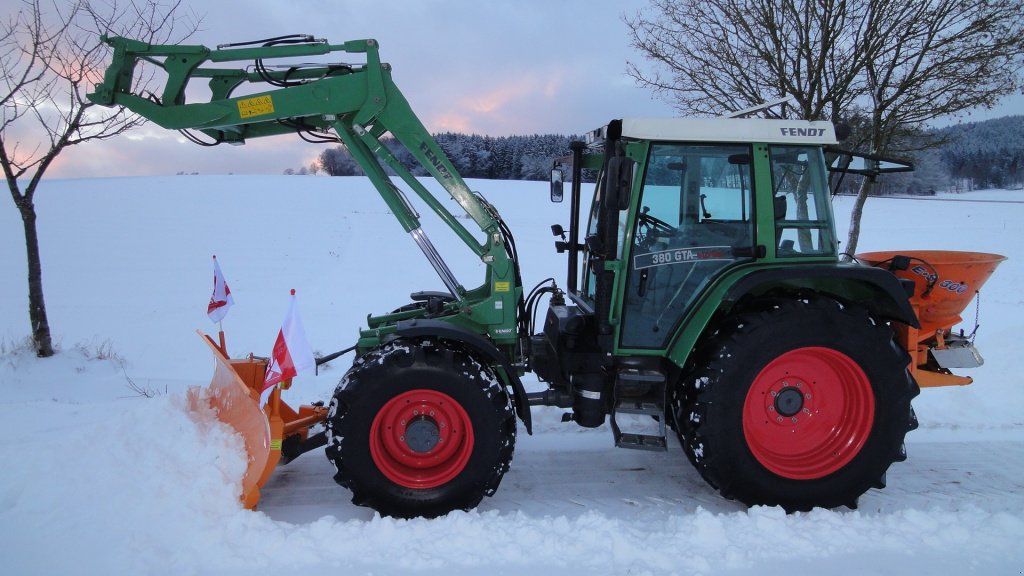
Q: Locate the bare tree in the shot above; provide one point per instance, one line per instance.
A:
(50, 55)
(715, 56)
(899, 64)
(934, 59)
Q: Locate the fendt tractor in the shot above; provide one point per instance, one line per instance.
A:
(705, 297)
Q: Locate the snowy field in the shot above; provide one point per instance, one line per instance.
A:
(99, 478)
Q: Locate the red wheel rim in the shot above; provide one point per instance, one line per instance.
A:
(808, 413)
(421, 439)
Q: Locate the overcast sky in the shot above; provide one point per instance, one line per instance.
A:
(494, 67)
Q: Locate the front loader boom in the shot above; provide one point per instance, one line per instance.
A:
(357, 105)
(360, 104)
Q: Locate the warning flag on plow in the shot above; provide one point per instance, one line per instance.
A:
(292, 353)
(221, 299)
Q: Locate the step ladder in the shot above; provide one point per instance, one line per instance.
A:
(640, 393)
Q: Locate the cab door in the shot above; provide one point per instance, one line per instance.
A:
(694, 220)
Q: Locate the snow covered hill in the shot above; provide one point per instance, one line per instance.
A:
(101, 479)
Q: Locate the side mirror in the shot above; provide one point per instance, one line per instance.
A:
(557, 192)
(619, 182)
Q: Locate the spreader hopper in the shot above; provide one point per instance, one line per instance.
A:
(945, 283)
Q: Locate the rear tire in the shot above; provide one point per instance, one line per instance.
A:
(799, 403)
(417, 429)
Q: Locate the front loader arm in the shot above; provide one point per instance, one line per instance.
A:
(358, 102)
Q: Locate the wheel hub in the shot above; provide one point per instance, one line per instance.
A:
(789, 401)
(422, 435)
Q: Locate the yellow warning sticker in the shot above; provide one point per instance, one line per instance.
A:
(502, 286)
(275, 444)
(256, 106)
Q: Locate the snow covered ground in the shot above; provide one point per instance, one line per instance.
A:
(100, 479)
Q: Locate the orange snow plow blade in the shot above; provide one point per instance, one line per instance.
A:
(945, 282)
(234, 394)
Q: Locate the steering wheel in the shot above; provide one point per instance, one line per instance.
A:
(648, 226)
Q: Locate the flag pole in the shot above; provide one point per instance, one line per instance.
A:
(220, 336)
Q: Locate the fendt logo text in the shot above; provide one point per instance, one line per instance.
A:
(802, 131)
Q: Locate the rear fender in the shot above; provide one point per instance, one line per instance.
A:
(881, 292)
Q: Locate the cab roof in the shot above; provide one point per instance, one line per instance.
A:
(722, 130)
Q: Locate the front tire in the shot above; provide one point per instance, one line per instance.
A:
(799, 403)
(418, 429)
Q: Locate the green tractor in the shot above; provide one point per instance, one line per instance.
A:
(704, 298)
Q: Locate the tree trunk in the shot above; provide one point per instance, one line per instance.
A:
(36, 306)
(855, 216)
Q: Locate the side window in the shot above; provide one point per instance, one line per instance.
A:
(589, 278)
(800, 191)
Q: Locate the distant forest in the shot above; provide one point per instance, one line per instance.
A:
(986, 154)
(969, 156)
(495, 158)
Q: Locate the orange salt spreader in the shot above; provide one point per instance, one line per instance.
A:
(945, 282)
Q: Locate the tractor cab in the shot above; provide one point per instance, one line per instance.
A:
(679, 203)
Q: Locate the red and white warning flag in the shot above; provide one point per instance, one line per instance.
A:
(221, 299)
(292, 353)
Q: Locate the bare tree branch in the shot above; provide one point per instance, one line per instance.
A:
(726, 55)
